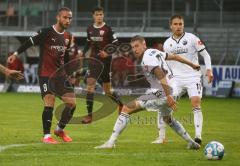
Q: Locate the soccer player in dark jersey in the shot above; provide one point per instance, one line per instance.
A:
(11, 73)
(54, 42)
(99, 35)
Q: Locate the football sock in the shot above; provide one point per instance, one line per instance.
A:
(47, 135)
(47, 119)
(119, 126)
(198, 122)
(116, 98)
(67, 115)
(89, 101)
(180, 130)
(161, 126)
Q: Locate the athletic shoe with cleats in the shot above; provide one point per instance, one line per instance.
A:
(160, 141)
(49, 140)
(87, 119)
(63, 136)
(106, 145)
(198, 140)
(193, 145)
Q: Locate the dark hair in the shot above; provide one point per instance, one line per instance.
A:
(137, 38)
(175, 16)
(64, 9)
(97, 9)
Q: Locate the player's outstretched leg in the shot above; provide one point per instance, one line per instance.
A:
(161, 129)
(119, 126)
(180, 130)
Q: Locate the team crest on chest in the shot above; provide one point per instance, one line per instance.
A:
(184, 42)
(101, 32)
(66, 41)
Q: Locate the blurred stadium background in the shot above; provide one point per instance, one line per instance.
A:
(216, 22)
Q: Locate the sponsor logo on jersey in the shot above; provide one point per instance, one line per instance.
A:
(180, 51)
(97, 38)
(58, 48)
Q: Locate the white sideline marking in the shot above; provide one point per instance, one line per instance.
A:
(4, 147)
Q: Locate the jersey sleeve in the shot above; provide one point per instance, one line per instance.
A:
(198, 44)
(87, 44)
(152, 60)
(165, 46)
(112, 36)
(32, 41)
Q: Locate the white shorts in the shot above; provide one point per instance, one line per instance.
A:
(192, 85)
(152, 102)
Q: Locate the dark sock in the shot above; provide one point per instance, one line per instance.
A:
(47, 119)
(116, 98)
(67, 115)
(89, 100)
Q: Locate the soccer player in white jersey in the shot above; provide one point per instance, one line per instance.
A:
(158, 98)
(186, 45)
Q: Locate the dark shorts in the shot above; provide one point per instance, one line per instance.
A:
(57, 86)
(100, 69)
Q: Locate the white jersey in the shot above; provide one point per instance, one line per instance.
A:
(188, 47)
(154, 58)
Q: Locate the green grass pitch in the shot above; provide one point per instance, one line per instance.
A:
(21, 133)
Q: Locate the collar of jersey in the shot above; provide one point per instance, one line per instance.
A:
(99, 26)
(57, 31)
(177, 41)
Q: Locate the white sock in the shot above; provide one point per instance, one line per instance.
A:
(198, 122)
(47, 135)
(58, 128)
(161, 126)
(119, 126)
(180, 130)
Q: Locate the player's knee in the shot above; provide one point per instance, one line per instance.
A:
(125, 109)
(90, 89)
(196, 102)
(49, 100)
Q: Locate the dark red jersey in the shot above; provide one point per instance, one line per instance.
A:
(53, 46)
(99, 37)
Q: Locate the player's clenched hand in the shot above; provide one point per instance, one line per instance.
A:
(209, 75)
(11, 58)
(172, 103)
(17, 75)
(103, 54)
(196, 67)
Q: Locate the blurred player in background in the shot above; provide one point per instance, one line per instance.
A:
(159, 96)
(99, 35)
(17, 75)
(185, 78)
(54, 43)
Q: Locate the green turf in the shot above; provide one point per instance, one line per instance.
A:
(21, 132)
